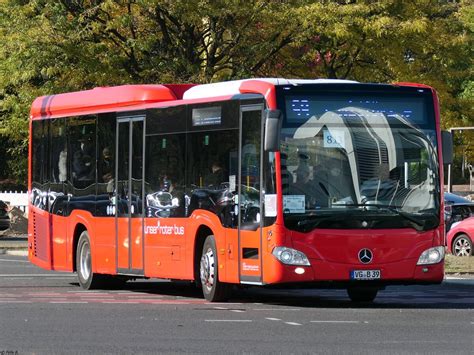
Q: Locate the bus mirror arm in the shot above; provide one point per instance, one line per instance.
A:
(447, 147)
(273, 123)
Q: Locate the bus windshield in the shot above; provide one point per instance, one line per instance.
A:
(355, 160)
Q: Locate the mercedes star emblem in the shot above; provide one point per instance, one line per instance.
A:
(365, 256)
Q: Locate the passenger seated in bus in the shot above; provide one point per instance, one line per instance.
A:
(316, 195)
(82, 163)
(62, 165)
(216, 177)
(106, 167)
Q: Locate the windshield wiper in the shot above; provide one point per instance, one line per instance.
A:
(315, 220)
(407, 216)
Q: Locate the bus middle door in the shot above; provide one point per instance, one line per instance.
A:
(129, 187)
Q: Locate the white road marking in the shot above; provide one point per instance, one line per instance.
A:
(293, 323)
(229, 320)
(15, 301)
(237, 310)
(276, 309)
(273, 318)
(221, 308)
(337, 321)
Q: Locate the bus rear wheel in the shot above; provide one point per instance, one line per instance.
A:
(87, 279)
(212, 288)
(362, 294)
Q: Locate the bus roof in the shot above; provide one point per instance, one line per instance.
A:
(103, 99)
(137, 97)
(236, 87)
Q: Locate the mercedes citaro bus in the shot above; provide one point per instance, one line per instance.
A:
(307, 183)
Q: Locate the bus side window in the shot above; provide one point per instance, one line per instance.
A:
(82, 145)
(106, 153)
(58, 166)
(164, 175)
(212, 166)
(40, 162)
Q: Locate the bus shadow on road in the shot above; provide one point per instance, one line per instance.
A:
(445, 296)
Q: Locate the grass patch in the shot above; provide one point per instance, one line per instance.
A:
(459, 264)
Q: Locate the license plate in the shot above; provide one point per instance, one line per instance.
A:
(365, 274)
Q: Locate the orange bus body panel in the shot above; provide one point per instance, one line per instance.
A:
(99, 99)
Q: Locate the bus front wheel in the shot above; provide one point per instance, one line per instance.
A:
(362, 294)
(212, 288)
(87, 279)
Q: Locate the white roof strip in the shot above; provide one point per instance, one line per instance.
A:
(226, 88)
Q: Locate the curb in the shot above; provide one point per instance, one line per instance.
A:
(16, 252)
(17, 246)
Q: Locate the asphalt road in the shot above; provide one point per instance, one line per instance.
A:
(45, 312)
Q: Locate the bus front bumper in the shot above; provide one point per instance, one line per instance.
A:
(320, 271)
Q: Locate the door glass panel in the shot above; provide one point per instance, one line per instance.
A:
(122, 188)
(250, 171)
(137, 169)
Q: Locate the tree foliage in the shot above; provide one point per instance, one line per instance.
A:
(56, 46)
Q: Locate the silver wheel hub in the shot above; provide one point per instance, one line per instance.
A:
(207, 269)
(462, 247)
(85, 261)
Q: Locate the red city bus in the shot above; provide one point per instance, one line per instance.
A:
(312, 183)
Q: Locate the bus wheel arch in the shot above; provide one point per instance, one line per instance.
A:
(202, 233)
(87, 278)
(77, 233)
(212, 289)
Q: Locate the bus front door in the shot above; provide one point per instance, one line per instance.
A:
(129, 187)
(250, 194)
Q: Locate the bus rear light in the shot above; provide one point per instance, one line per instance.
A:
(431, 256)
(290, 256)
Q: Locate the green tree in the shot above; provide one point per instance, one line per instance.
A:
(57, 46)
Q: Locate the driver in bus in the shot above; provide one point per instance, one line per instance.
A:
(316, 195)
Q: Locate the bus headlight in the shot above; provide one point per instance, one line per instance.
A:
(290, 256)
(431, 256)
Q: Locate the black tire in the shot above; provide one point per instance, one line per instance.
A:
(87, 279)
(462, 245)
(362, 294)
(212, 289)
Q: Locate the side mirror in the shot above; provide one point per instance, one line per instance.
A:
(273, 123)
(447, 147)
